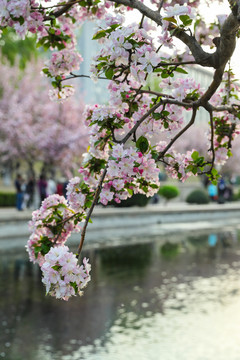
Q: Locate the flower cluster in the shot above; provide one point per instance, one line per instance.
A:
(63, 62)
(226, 125)
(75, 195)
(183, 88)
(129, 171)
(51, 225)
(124, 45)
(62, 275)
(59, 95)
(22, 16)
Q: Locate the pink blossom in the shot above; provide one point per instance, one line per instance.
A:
(62, 275)
(74, 195)
(64, 62)
(177, 10)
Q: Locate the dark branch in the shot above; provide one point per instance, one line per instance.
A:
(143, 9)
(94, 202)
(74, 76)
(212, 140)
(62, 10)
(191, 122)
(225, 49)
(139, 122)
(217, 79)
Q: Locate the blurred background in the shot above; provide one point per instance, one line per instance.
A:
(165, 270)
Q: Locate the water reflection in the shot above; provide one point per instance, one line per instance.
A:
(173, 298)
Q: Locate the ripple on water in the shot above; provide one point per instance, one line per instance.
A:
(211, 315)
(183, 313)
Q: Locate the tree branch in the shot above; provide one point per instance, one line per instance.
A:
(143, 9)
(212, 140)
(191, 122)
(233, 108)
(62, 10)
(169, 99)
(217, 79)
(138, 123)
(95, 199)
(74, 76)
(225, 49)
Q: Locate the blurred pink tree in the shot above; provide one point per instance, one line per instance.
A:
(33, 129)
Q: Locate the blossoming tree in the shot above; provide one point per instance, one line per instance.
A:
(138, 128)
(34, 130)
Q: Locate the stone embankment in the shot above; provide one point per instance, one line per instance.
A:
(116, 224)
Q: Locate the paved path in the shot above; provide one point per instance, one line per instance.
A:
(117, 225)
(12, 215)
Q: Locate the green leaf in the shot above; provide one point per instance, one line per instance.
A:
(169, 155)
(142, 144)
(154, 154)
(130, 191)
(154, 186)
(109, 73)
(165, 74)
(185, 19)
(55, 84)
(170, 19)
(180, 70)
(214, 172)
(229, 153)
(195, 155)
(114, 26)
(165, 125)
(100, 34)
(45, 71)
(21, 20)
(56, 267)
(157, 116)
(88, 204)
(51, 31)
(134, 107)
(74, 285)
(165, 113)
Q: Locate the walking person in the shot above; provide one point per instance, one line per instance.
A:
(19, 184)
(42, 187)
(30, 187)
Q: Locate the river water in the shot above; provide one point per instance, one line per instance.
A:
(165, 298)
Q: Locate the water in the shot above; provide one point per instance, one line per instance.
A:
(165, 298)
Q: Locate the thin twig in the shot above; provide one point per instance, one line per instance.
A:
(160, 6)
(212, 140)
(54, 6)
(191, 122)
(177, 63)
(94, 202)
(228, 82)
(138, 123)
(141, 22)
(61, 11)
(73, 76)
(170, 99)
